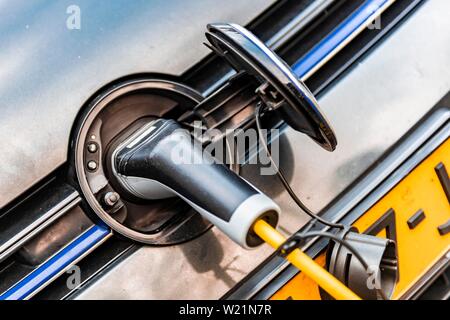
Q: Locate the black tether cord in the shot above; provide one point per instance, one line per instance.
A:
(295, 241)
(283, 179)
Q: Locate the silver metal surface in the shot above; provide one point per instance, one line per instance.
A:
(111, 198)
(47, 72)
(299, 22)
(14, 239)
(370, 109)
(92, 147)
(92, 165)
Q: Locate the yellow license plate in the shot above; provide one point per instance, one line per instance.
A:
(414, 212)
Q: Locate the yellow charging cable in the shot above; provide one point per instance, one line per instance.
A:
(305, 264)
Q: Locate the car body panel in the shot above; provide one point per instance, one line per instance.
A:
(48, 72)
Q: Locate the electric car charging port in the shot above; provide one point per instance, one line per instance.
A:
(124, 108)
